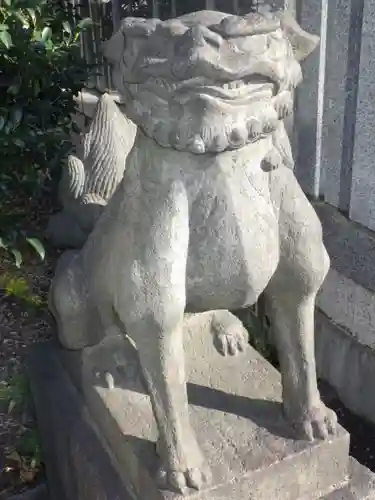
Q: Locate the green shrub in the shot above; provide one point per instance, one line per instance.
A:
(41, 70)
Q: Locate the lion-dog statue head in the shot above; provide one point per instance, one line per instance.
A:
(208, 82)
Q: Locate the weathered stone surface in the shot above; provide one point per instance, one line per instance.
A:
(180, 56)
(78, 465)
(345, 323)
(236, 414)
(362, 206)
(336, 350)
(361, 484)
(92, 174)
(208, 216)
(235, 410)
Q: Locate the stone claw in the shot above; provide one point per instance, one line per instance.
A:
(230, 336)
(317, 423)
(179, 481)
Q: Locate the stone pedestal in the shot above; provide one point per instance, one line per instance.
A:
(99, 435)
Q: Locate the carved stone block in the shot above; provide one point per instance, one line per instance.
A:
(99, 434)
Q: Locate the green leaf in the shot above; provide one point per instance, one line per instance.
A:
(32, 15)
(3, 244)
(8, 2)
(38, 247)
(37, 35)
(16, 117)
(36, 88)
(19, 142)
(17, 287)
(6, 39)
(14, 89)
(12, 405)
(85, 23)
(48, 44)
(3, 27)
(67, 28)
(22, 18)
(2, 122)
(46, 34)
(29, 445)
(17, 257)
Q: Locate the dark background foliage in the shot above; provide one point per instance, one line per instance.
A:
(41, 70)
(41, 73)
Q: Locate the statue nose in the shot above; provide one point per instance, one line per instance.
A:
(198, 35)
(201, 36)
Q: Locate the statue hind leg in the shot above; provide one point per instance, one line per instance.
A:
(290, 298)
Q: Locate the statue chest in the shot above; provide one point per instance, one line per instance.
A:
(234, 243)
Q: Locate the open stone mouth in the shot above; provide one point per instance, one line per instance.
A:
(227, 90)
(237, 91)
(245, 89)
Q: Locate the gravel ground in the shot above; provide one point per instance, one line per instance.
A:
(21, 325)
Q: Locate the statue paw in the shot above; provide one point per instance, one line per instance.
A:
(186, 470)
(318, 422)
(230, 336)
(179, 481)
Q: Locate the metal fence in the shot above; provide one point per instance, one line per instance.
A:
(107, 15)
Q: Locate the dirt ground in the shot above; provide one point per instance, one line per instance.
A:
(23, 321)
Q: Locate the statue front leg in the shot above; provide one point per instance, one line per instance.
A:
(151, 307)
(291, 296)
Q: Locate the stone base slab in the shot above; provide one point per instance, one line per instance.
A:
(347, 365)
(99, 435)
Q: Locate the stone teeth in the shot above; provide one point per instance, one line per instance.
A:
(232, 85)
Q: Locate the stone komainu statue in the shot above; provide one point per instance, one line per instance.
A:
(208, 216)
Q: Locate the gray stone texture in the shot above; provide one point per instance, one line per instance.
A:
(191, 231)
(345, 338)
(334, 105)
(244, 437)
(362, 205)
(81, 466)
(350, 246)
(348, 366)
(337, 117)
(348, 293)
(307, 115)
(326, 102)
(92, 174)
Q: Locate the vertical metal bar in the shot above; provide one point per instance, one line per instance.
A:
(116, 14)
(210, 4)
(109, 30)
(90, 44)
(102, 79)
(173, 9)
(236, 9)
(155, 8)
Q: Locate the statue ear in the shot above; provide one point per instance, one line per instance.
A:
(113, 49)
(303, 43)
